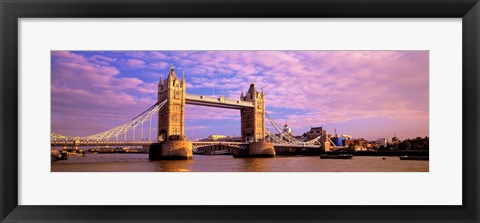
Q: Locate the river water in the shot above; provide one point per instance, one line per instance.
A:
(226, 163)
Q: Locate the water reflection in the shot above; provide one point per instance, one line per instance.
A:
(254, 164)
(174, 165)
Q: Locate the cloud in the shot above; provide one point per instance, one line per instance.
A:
(195, 112)
(135, 63)
(158, 65)
(379, 79)
(326, 86)
(196, 127)
(101, 59)
(157, 55)
(134, 54)
(88, 98)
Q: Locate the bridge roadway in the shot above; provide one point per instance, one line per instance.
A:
(195, 144)
(220, 102)
(101, 143)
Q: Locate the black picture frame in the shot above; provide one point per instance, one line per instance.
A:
(11, 11)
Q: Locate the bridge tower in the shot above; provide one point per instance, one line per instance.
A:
(253, 126)
(171, 116)
(253, 119)
(172, 143)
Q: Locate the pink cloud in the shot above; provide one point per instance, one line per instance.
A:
(157, 55)
(135, 63)
(196, 127)
(136, 54)
(195, 112)
(89, 95)
(333, 86)
(104, 58)
(61, 55)
(158, 65)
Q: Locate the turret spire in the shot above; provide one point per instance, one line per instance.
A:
(160, 82)
(252, 91)
(171, 74)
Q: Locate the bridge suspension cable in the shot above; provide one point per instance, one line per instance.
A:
(282, 137)
(275, 138)
(57, 137)
(138, 120)
(285, 138)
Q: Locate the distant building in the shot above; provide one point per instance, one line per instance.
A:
(236, 139)
(287, 130)
(215, 137)
(382, 142)
(395, 139)
(358, 144)
(374, 145)
(339, 140)
(315, 132)
(300, 138)
(229, 139)
(319, 131)
(394, 143)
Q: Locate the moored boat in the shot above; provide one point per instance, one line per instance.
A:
(414, 158)
(340, 156)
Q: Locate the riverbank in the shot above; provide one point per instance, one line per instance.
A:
(384, 153)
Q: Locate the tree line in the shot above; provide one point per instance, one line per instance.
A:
(417, 143)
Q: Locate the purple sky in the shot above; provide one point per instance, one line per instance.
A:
(368, 94)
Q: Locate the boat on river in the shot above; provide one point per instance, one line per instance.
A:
(58, 155)
(340, 156)
(414, 158)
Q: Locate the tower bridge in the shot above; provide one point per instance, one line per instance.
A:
(171, 119)
(170, 141)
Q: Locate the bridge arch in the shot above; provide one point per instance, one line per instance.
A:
(210, 148)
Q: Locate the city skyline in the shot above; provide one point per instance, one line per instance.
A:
(367, 94)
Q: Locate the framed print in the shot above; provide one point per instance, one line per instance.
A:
(239, 111)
